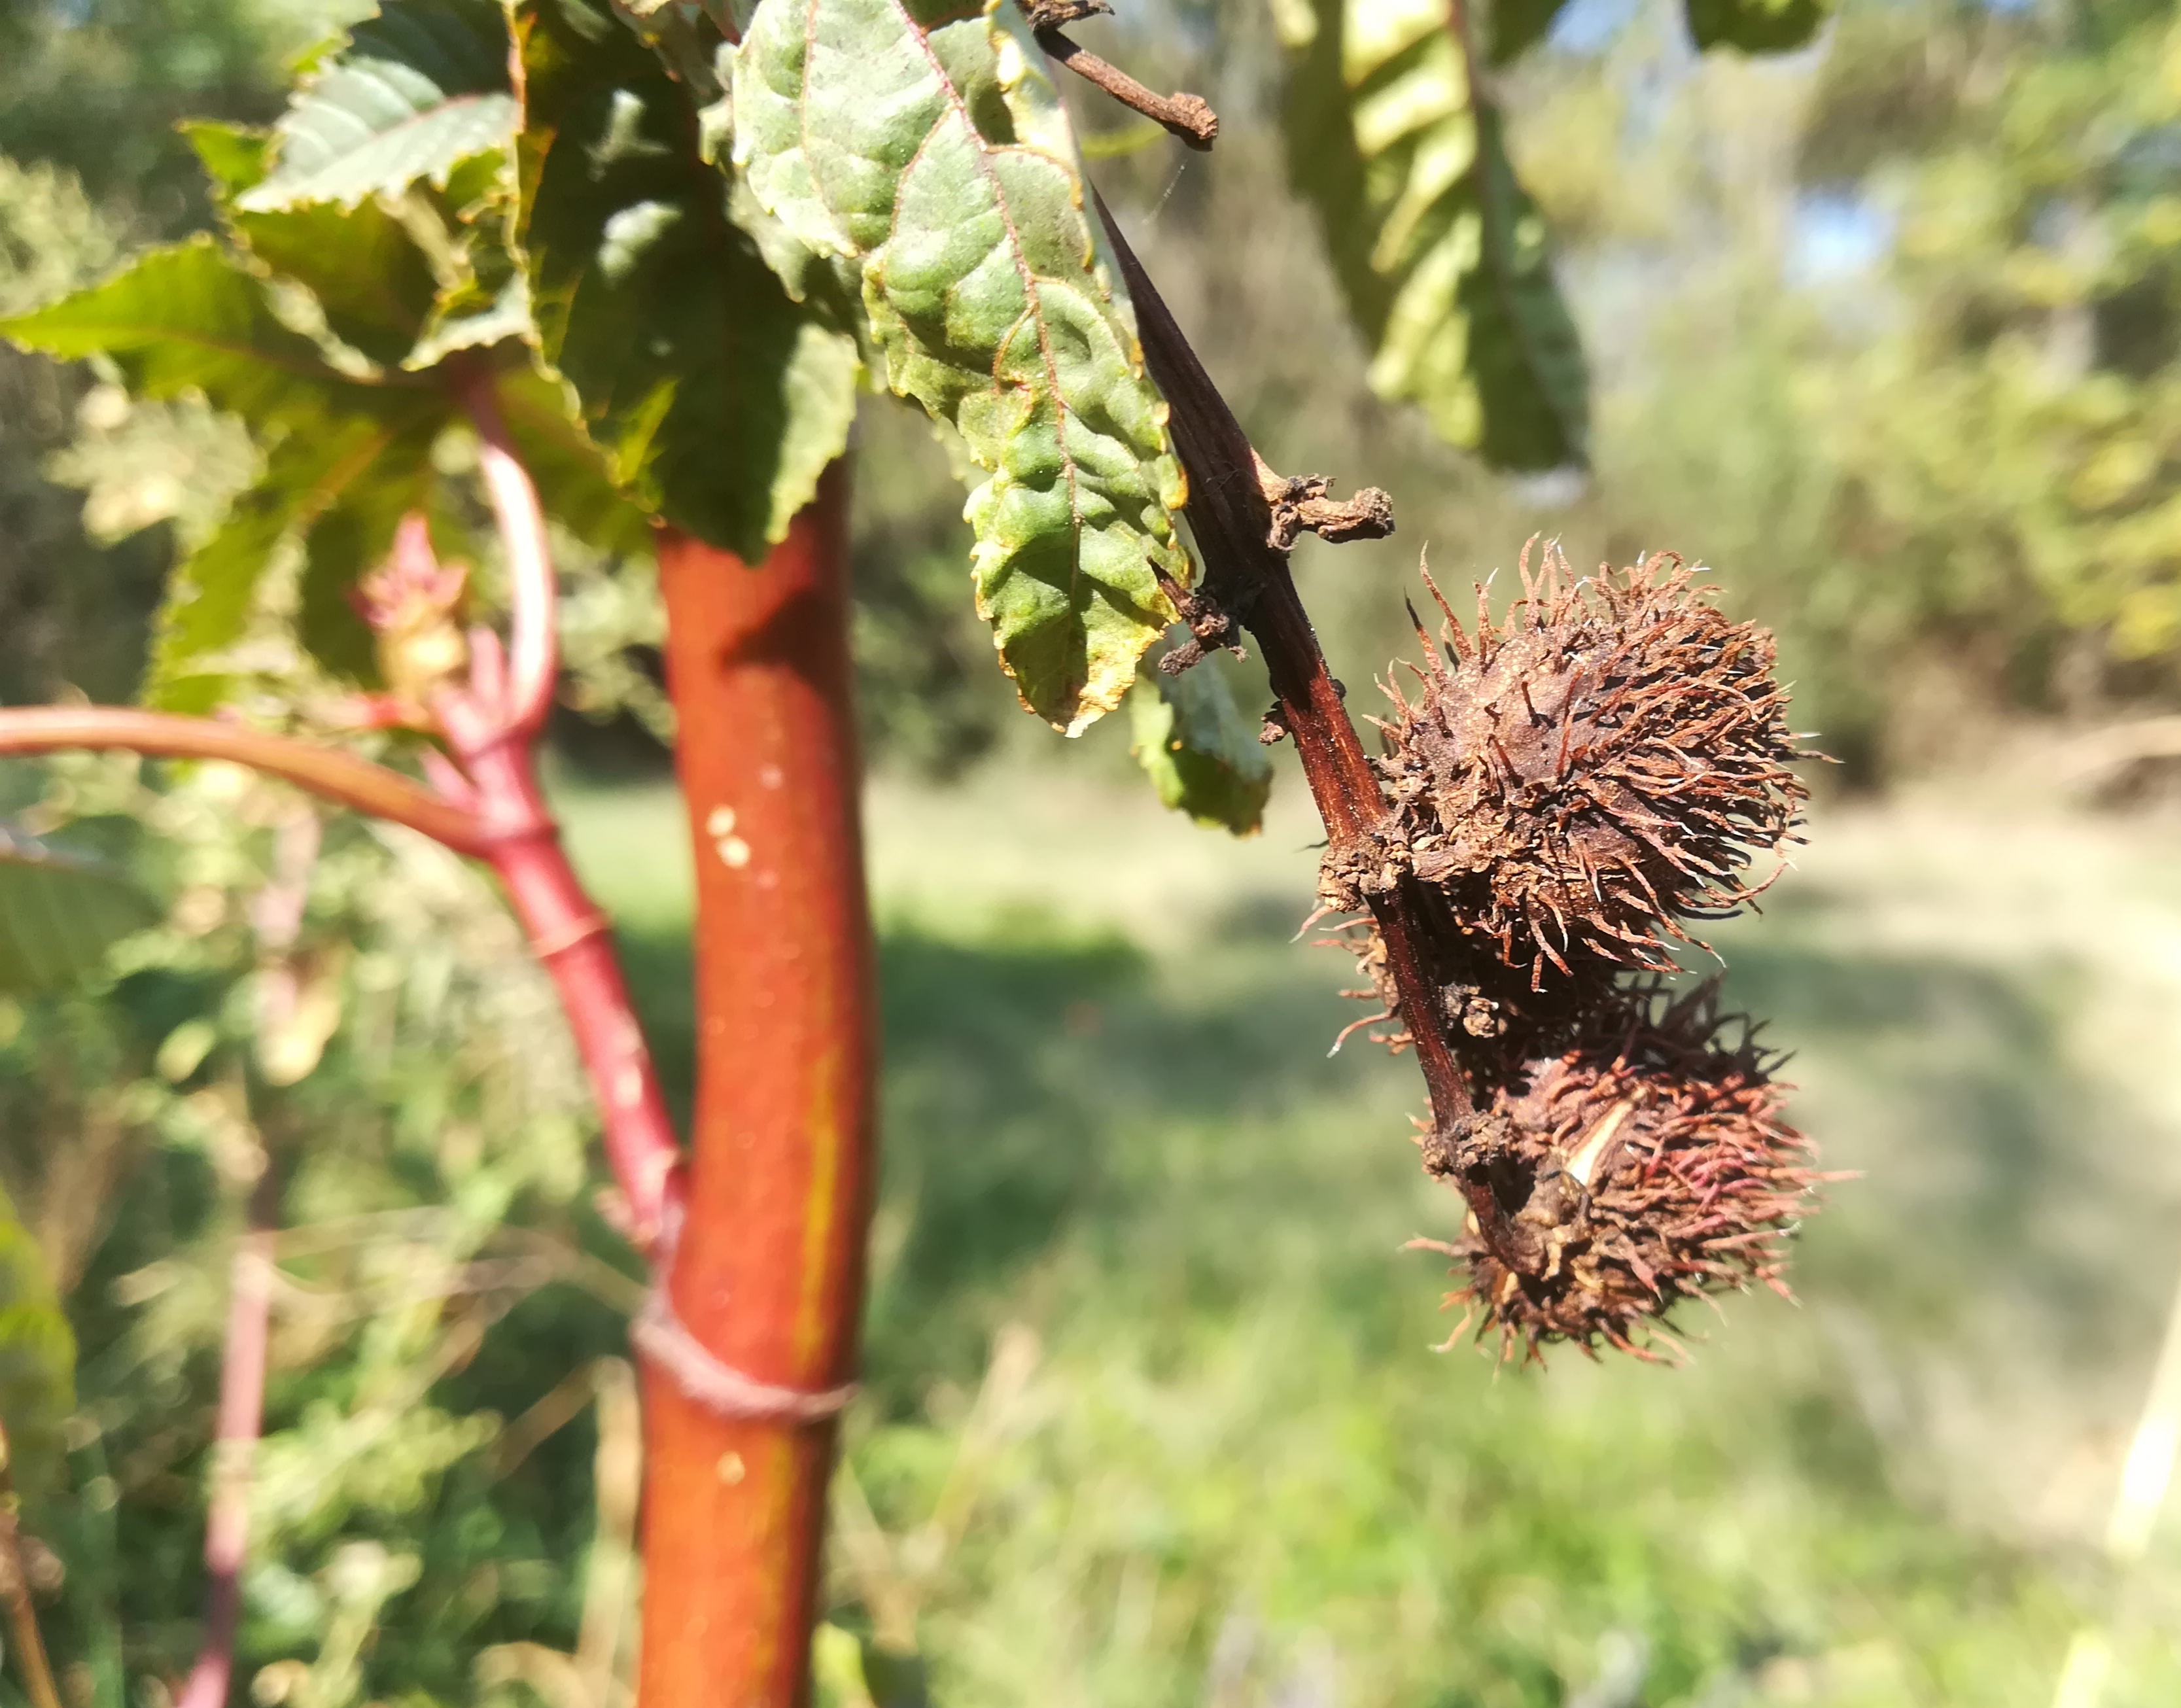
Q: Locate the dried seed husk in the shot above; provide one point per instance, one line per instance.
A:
(1575, 781)
(1648, 1164)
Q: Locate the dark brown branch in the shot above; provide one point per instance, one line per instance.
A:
(1231, 516)
(1190, 117)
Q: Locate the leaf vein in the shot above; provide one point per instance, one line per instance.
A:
(1034, 308)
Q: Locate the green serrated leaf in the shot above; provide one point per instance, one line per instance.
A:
(59, 913)
(375, 285)
(931, 148)
(1756, 26)
(192, 316)
(717, 400)
(187, 318)
(347, 448)
(363, 466)
(419, 89)
(477, 311)
(1201, 753)
(345, 453)
(572, 477)
(1441, 253)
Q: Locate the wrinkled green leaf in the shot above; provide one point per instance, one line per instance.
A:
(418, 89)
(60, 913)
(717, 400)
(1201, 752)
(930, 148)
(1756, 26)
(1441, 253)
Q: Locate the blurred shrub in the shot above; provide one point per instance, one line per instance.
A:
(386, 1084)
(69, 612)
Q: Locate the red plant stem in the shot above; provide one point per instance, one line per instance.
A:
(242, 1416)
(512, 830)
(327, 772)
(496, 742)
(534, 591)
(768, 1276)
(503, 819)
(566, 932)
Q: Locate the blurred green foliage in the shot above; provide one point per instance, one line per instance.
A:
(1885, 330)
(1152, 1417)
(382, 1079)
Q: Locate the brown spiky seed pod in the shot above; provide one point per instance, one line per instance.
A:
(1593, 770)
(1647, 1164)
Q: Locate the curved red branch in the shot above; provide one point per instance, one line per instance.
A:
(327, 772)
(512, 831)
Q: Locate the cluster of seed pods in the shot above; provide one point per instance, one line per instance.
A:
(1570, 786)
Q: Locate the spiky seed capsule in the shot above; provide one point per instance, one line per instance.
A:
(1647, 1164)
(1593, 770)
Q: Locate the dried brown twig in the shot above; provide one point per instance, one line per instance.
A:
(1190, 117)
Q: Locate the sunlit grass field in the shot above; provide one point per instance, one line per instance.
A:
(1152, 1416)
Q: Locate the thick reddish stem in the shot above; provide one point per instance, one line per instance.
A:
(768, 1277)
(242, 1416)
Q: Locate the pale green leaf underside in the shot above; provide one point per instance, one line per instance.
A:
(1441, 253)
(928, 145)
(1200, 753)
(419, 89)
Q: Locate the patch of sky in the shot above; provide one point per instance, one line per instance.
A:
(1836, 235)
(1589, 26)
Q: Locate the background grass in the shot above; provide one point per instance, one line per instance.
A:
(1151, 1417)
